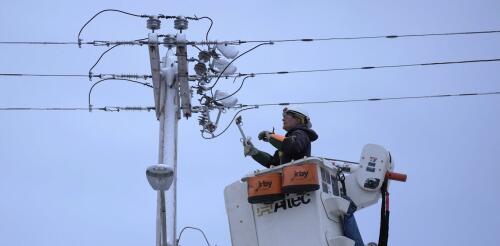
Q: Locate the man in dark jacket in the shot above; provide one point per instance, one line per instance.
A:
(296, 144)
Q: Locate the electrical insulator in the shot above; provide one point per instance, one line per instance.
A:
(201, 90)
(181, 23)
(202, 120)
(205, 122)
(204, 56)
(153, 23)
(200, 69)
(211, 127)
(169, 41)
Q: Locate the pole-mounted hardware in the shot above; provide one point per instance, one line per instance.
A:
(169, 41)
(181, 23)
(153, 23)
(154, 58)
(183, 76)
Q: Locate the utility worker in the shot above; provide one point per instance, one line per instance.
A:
(296, 144)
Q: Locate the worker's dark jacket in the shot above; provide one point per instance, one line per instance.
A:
(296, 145)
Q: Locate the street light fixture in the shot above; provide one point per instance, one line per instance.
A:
(160, 177)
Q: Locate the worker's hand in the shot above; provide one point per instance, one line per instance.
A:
(249, 148)
(264, 136)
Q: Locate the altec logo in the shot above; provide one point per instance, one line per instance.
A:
(288, 203)
(264, 185)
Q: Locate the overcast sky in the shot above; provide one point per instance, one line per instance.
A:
(77, 178)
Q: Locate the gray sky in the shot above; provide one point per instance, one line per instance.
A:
(78, 177)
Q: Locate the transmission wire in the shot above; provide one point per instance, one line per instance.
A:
(228, 125)
(370, 67)
(280, 40)
(100, 12)
(373, 99)
(372, 37)
(229, 64)
(102, 80)
(107, 108)
(254, 106)
(192, 228)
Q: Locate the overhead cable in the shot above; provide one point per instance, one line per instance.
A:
(99, 59)
(203, 17)
(94, 43)
(100, 12)
(393, 36)
(369, 67)
(100, 76)
(42, 75)
(102, 80)
(193, 228)
(260, 41)
(244, 107)
(41, 42)
(107, 108)
(104, 53)
(253, 106)
(231, 62)
(237, 90)
(373, 99)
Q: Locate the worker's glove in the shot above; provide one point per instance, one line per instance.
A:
(249, 148)
(265, 136)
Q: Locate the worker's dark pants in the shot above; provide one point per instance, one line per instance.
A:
(351, 230)
(350, 226)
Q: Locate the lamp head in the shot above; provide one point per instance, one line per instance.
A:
(160, 176)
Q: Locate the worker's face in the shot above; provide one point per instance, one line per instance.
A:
(289, 122)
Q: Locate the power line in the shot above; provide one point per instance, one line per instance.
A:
(237, 90)
(42, 42)
(107, 109)
(229, 64)
(370, 67)
(391, 36)
(104, 53)
(103, 80)
(99, 59)
(100, 76)
(373, 99)
(100, 12)
(193, 228)
(200, 18)
(244, 107)
(150, 108)
(42, 75)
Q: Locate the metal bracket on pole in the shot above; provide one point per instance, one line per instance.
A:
(183, 76)
(154, 58)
